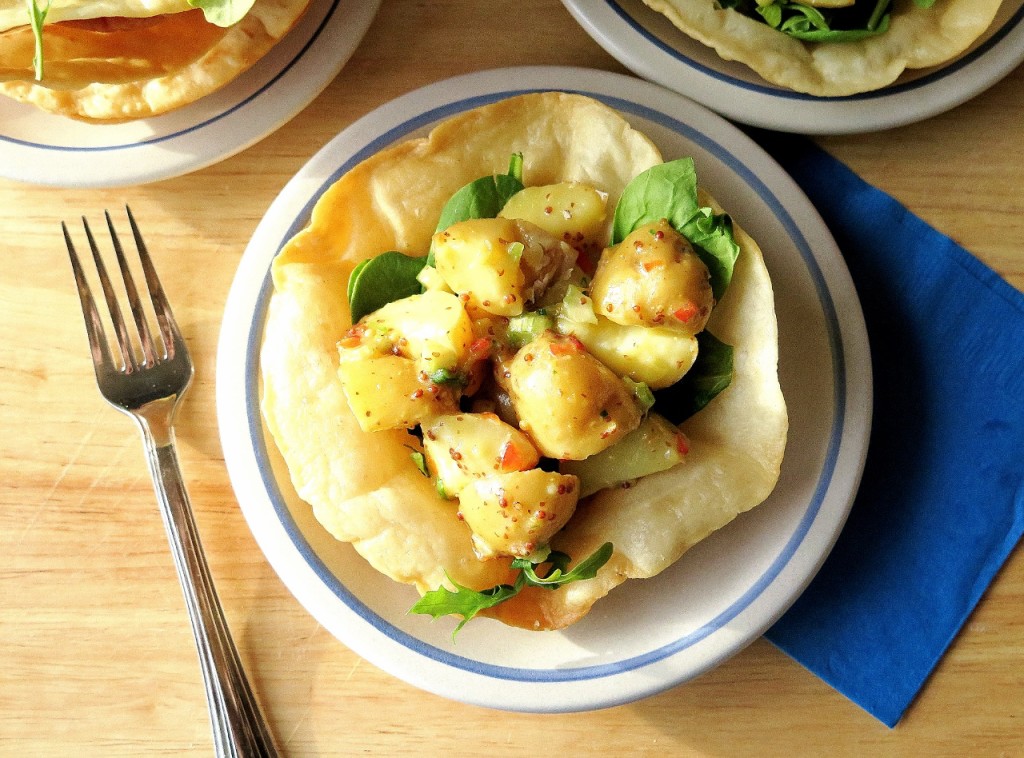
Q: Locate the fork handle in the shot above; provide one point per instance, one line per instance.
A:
(239, 727)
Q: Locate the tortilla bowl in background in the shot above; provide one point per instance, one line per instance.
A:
(141, 58)
(917, 38)
(363, 487)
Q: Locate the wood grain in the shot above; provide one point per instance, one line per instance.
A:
(97, 656)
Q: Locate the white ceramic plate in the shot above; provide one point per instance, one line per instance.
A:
(42, 148)
(650, 46)
(647, 635)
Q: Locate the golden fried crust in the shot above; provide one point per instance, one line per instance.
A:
(150, 68)
(109, 51)
(917, 38)
(363, 487)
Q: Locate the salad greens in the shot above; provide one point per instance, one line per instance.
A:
(867, 18)
(669, 191)
(710, 374)
(468, 603)
(381, 280)
(481, 198)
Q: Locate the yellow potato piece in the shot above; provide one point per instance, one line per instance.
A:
(573, 212)
(653, 278)
(657, 357)
(569, 403)
(462, 447)
(517, 513)
(386, 392)
(433, 329)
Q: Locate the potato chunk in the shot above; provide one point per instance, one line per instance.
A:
(568, 402)
(466, 446)
(518, 512)
(386, 392)
(656, 445)
(658, 357)
(654, 278)
(571, 211)
(433, 329)
(500, 265)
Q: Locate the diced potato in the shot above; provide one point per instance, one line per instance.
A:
(432, 280)
(656, 445)
(658, 357)
(500, 265)
(432, 328)
(568, 402)
(518, 512)
(577, 306)
(653, 278)
(571, 211)
(385, 392)
(466, 446)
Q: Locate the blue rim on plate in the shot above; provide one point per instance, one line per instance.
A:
(192, 127)
(45, 148)
(693, 69)
(238, 369)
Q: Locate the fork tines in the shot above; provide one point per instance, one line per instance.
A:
(151, 352)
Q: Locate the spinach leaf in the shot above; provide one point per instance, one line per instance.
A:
(711, 373)
(669, 191)
(711, 235)
(812, 24)
(481, 198)
(381, 280)
(468, 603)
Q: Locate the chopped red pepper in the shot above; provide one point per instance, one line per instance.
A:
(512, 458)
(682, 444)
(686, 312)
(568, 346)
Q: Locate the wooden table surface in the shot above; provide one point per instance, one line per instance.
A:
(97, 657)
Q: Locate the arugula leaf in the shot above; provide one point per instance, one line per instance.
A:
(557, 576)
(381, 280)
(710, 374)
(37, 17)
(669, 191)
(223, 12)
(468, 603)
(481, 198)
(464, 601)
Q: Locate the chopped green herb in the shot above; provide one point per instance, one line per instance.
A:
(37, 17)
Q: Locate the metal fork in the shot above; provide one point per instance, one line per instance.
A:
(146, 382)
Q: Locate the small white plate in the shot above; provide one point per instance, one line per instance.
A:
(646, 635)
(43, 148)
(650, 46)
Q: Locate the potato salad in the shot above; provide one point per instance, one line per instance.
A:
(522, 359)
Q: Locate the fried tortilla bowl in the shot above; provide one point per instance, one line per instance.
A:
(917, 38)
(364, 488)
(119, 69)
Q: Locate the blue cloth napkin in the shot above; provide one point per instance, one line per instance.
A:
(941, 504)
